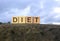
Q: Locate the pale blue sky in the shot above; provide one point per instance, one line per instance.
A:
(48, 10)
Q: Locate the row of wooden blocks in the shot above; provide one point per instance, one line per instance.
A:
(27, 19)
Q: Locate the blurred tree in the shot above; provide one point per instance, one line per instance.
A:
(8, 22)
(0, 22)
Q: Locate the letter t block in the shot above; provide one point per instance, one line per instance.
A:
(36, 20)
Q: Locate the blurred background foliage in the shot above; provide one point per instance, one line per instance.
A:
(19, 32)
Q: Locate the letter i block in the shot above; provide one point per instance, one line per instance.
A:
(15, 20)
(22, 20)
(36, 20)
(28, 20)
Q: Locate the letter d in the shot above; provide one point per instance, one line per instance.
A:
(14, 19)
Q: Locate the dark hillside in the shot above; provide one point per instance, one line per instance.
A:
(29, 32)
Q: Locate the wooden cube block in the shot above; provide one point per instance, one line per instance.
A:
(29, 20)
(15, 20)
(22, 19)
(36, 20)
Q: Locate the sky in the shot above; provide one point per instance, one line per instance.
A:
(48, 10)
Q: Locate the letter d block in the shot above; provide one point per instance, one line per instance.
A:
(15, 20)
(36, 20)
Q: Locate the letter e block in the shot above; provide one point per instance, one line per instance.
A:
(28, 20)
